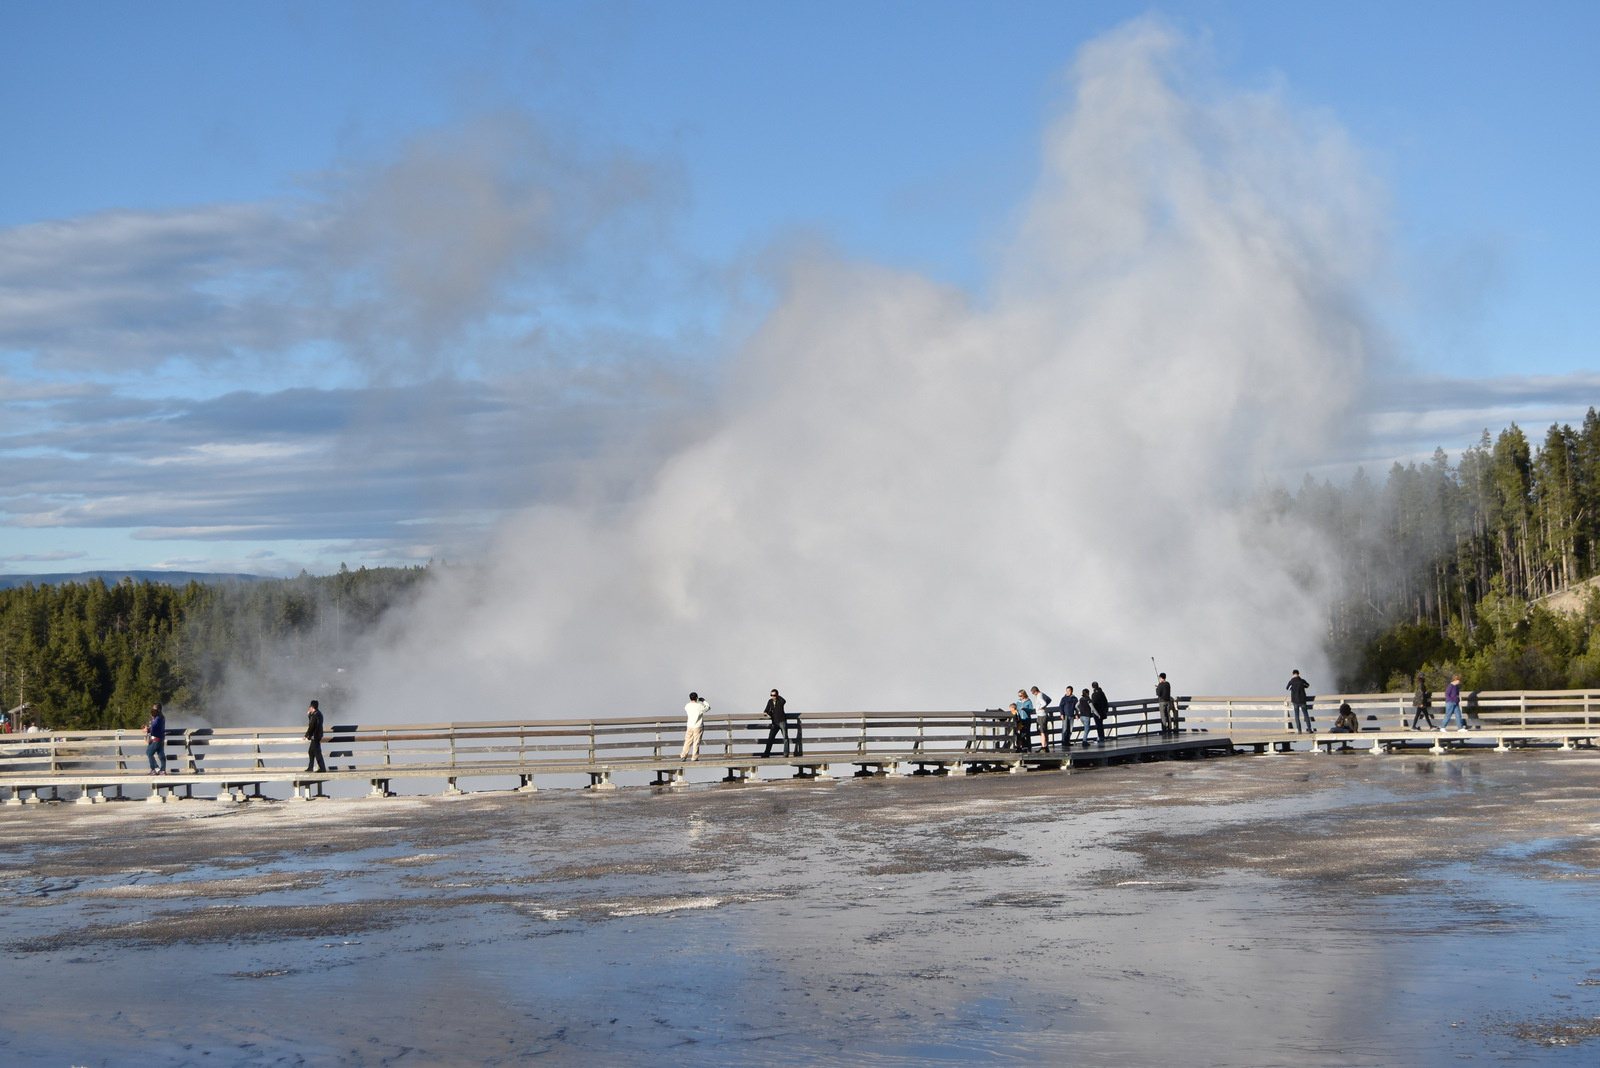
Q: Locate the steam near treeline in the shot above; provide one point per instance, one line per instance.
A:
(1443, 565)
(89, 655)
(1441, 569)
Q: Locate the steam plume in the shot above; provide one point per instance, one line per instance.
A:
(906, 498)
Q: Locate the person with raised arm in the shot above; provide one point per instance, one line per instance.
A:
(695, 712)
(1169, 707)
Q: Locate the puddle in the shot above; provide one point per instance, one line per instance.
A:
(1293, 910)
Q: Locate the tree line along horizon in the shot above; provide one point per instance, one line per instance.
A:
(1440, 570)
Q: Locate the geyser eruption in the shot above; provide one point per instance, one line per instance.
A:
(906, 498)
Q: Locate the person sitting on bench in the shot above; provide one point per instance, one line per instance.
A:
(1346, 723)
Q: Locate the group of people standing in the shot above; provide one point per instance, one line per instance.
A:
(1033, 714)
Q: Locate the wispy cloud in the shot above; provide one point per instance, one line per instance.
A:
(469, 248)
(33, 558)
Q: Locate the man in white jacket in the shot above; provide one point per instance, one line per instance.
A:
(696, 710)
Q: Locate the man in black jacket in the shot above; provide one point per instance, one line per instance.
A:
(314, 736)
(1169, 707)
(780, 722)
(1297, 697)
(1099, 705)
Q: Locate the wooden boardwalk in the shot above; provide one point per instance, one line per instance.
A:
(234, 764)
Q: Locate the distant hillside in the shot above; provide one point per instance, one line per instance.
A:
(111, 578)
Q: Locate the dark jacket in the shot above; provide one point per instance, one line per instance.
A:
(1069, 706)
(1297, 689)
(774, 709)
(314, 728)
(1164, 690)
(1101, 703)
(157, 728)
(1423, 698)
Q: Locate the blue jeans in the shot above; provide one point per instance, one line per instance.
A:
(1453, 708)
(157, 749)
(1099, 725)
(1299, 712)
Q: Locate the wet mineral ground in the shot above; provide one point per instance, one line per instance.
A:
(1281, 910)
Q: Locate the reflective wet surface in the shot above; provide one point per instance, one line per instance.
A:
(1338, 910)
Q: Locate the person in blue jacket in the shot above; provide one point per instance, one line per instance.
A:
(155, 734)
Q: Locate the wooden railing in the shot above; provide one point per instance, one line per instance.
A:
(488, 747)
(1523, 709)
(244, 754)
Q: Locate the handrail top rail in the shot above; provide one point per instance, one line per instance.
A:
(731, 720)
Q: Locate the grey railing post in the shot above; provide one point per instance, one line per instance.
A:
(1522, 704)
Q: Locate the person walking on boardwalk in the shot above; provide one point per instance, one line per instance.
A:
(155, 736)
(696, 711)
(780, 723)
(1452, 704)
(1297, 697)
(1422, 701)
(1041, 710)
(1169, 707)
(1099, 706)
(314, 737)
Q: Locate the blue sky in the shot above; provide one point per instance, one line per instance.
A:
(241, 328)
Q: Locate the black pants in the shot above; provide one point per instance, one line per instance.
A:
(314, 755)
(1169, 717)
(778, 726)
(1023, 731)
(1422, 714)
